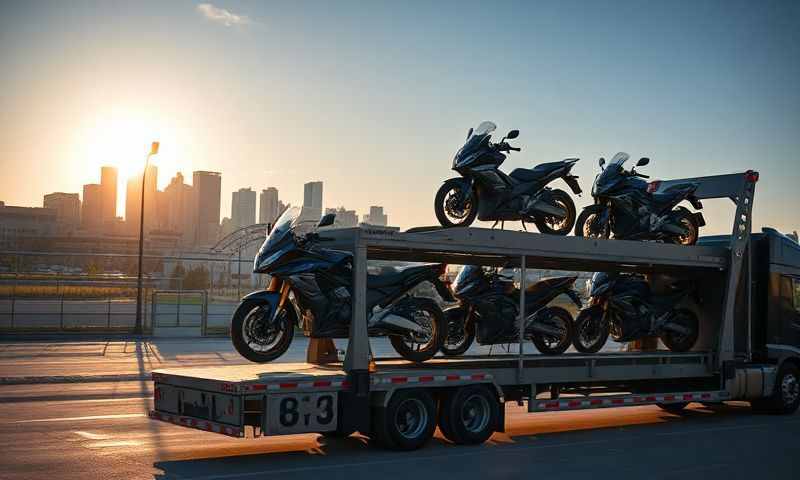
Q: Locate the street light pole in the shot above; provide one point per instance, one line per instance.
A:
(137, 329)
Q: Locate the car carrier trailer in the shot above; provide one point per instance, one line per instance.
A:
(747, 351)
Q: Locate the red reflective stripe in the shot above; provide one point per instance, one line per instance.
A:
(288, 385)
(688, 396)
(258, 387)
(705, 395)
(669, 397)
(551, 405)
(596, 401)
(453, 377)
(650, 398)
(322, 383)
(638, 399)
(618, 401)
(345, 384)
(574, 403)
(478, 376)
(426, 379)
(399, 379)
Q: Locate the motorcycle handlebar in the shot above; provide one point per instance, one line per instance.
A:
(505, 147)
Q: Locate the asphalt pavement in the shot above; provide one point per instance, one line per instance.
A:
(99, 429)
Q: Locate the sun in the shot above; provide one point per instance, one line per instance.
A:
(122, 139)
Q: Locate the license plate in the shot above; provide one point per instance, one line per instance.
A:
(301, 413)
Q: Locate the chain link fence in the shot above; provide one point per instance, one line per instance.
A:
(96, 292)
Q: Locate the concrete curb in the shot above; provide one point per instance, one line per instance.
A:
(124, 377)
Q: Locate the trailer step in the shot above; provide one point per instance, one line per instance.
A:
(608, 401)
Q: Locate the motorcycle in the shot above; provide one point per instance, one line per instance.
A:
(632, 209)
(485, 192)
(311, 287)
(489, 312)
(623, 306)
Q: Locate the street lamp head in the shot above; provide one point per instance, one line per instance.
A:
(154, 148)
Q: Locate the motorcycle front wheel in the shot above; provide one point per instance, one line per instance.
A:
(591, 332)
(418, 347)
(452, 210)
(588, 226)
(682, 342)
(553, 225)
(460, 335)
(255, 337)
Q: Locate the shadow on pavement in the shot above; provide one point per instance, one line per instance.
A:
(306, 454)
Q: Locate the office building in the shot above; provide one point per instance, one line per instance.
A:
(68, 210)
(207, 190)
(312, 199)
(376, 217)
(21, 224)
(181, 216)
(344, 217)
(108, 182)
(92, 208)
(243, 208)
(269, 206)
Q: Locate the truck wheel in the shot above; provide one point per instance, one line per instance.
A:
(785, 397)
(407, 422)
(469, 415)
(675, 408)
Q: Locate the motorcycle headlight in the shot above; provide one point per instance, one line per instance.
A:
(264, 260)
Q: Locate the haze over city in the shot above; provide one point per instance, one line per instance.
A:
(279, 97)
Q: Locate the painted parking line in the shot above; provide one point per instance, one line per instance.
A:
(79, 419)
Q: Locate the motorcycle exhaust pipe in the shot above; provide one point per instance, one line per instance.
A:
(548, 209)
(544, 329)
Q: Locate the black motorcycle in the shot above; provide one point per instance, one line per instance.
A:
(312, 287)
(489, 312)
(623, 306)
(485, 192)
(632, 209)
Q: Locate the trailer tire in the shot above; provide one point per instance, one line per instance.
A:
(407, 422)
(469, 415)
(674, 408)
(785, 397)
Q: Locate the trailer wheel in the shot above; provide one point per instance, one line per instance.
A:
(785, 397)
(469, 415)
(674, 408)
(407, 422)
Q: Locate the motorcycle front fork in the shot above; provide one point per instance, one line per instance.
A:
(278, 285)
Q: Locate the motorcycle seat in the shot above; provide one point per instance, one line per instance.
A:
(535, 173)
(397, 277)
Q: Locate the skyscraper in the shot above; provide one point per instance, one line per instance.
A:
(133, 199)
(181, 215)
(108, 182)
(268, 209)
(243, 208)
(92, 209)
(376, 216)
(207, 190)
(312, 199)
(68, 210)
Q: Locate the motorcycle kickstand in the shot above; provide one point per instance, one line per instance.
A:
(523, 226)
(495, 224)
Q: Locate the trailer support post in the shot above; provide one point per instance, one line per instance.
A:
(522, 289)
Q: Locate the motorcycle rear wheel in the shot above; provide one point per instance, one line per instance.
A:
(554, 226)
(413, 350)
(544, 344)
(687, 221)
(459, 338)
(682, 343)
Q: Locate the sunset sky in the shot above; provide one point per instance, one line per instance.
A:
(374, 98)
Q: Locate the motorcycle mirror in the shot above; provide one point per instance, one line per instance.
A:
(469, 132)
(513, 134)
(326, 220)
(642, 162)
(602, 161)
